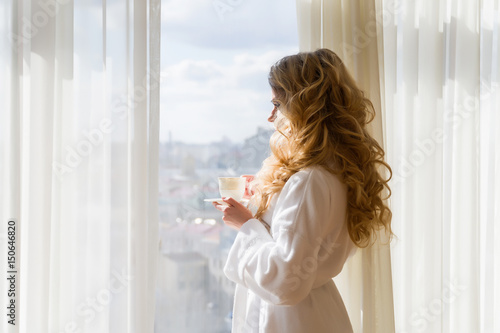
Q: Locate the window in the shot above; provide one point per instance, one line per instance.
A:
(215, 101)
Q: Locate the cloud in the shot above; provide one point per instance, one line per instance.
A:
(241, 24)
(217, 65)
(204, 100)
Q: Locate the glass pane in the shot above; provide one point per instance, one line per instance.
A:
(215, 101)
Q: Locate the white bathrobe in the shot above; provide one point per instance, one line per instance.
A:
(284, 278)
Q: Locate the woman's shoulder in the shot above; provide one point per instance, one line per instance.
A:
(315, 172)
(316, 177)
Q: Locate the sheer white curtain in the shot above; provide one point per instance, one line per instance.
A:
(441, 65)
(438, 67)
(79, 153)
(365, 283)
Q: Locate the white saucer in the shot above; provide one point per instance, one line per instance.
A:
(219, 200)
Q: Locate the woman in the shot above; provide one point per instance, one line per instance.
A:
(318, 197)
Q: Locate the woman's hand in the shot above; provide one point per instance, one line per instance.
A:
(248, 186)
(235, 214)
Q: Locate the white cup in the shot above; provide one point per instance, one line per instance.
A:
(233, 187)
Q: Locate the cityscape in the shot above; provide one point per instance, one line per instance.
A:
(193, 295)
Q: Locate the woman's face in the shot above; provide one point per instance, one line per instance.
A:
(276, 105)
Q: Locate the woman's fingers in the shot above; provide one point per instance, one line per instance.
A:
(248, 186)
(230, 201)
(219, 206)
(234, 213)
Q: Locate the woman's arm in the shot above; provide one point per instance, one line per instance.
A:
(282, 268)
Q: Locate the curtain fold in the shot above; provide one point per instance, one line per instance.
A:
(438, 68)
(78, 172)
(350, 29)
(442, 71)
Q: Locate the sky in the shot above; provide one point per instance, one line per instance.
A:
(216, 56)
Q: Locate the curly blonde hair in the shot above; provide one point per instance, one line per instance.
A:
(323, 122)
